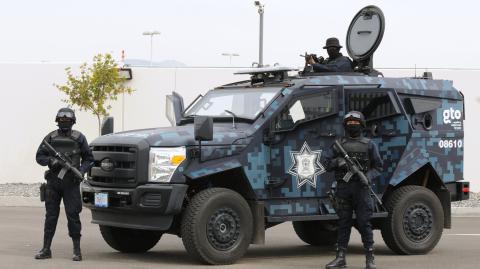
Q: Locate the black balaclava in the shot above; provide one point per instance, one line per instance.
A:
(65, 126)
(333, 52)
(354, 130)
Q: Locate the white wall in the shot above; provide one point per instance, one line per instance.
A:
(29, 102)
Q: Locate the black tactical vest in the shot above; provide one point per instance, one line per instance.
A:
(356, 148)
(67, 144)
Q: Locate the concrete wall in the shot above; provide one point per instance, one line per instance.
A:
(29, 102)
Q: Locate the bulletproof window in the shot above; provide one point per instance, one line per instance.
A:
(415, 105)
(373, 105)
(421, 109)
(245, 103)
(305, 108)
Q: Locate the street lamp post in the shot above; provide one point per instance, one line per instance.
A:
(151, 34)
(261, 9)
(230, 55)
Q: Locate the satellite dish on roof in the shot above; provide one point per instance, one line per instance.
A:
(365, 34)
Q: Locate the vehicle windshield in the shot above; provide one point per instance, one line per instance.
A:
(244, 103)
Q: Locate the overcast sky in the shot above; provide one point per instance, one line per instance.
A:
(426, 33)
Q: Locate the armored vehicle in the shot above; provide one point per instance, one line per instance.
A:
(249, 155)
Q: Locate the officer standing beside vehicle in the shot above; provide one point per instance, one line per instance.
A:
(74, 146)
(335, 62)
(351, 194)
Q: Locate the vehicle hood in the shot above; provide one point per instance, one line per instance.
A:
(174, 136)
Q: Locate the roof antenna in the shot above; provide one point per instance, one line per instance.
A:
(415, 70)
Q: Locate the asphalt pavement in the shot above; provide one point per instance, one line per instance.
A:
(21, 231)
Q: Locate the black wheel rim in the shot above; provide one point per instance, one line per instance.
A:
(223, 229)
(418, 222)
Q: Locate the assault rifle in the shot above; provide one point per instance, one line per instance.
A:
(313, 56)
(65, 162)
(355, 168)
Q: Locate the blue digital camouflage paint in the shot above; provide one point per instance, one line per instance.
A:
(269, 140)
(405, 144)
(263, 150)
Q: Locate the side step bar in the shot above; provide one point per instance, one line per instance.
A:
(317, 217)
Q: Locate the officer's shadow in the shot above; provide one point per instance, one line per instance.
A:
(255, 252)
(177, 257)
(307, 250)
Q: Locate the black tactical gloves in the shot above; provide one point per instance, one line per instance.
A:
(54, 164)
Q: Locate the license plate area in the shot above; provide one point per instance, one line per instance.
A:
(101, 199)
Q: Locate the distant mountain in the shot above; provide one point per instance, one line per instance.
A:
(165, 63)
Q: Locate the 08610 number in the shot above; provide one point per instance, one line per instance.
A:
(449, 143)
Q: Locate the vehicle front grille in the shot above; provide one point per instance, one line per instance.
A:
(124, 171)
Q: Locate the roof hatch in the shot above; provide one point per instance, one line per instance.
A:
(364, 35)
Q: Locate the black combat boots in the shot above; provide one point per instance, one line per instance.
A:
(45, 252)
(340, 260)
(369, 259)
(77, 253)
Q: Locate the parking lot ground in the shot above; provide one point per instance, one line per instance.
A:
(21, 232)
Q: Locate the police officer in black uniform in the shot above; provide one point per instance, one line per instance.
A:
(72, 144)
(335, 62)
(351, 194)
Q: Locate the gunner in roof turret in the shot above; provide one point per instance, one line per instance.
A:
(335, 62)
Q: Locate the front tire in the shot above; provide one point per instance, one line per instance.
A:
(415, 221)
(217, 226)
(129, 240)
(315, 233)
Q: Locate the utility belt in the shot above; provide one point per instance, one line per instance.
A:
(50, 175)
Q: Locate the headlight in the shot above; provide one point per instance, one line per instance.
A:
(163, 162)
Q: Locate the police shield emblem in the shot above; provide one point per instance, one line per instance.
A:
(306, 165)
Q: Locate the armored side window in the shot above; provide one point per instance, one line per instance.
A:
(305, 108)
(421, 110)
(373, 105)
(417, 105)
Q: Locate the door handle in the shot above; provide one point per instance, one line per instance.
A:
(275, 183)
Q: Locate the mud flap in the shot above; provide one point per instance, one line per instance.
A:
(444, 197)
(258, 212)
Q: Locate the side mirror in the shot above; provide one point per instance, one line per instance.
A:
(174, 108)
(107, 126)
(203, 128)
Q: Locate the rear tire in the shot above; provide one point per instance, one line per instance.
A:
(315, 233)
(130, 240)
(217, 226)
(415, 221)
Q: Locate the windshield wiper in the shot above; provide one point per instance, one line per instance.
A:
(219, 118)
(233, 117)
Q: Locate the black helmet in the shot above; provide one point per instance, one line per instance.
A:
(66, 113)
(354, 115)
